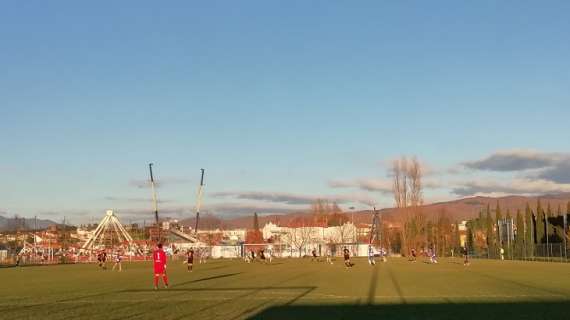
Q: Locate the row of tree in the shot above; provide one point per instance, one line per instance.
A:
(522, 235)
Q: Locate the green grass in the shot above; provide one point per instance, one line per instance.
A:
(291, 289)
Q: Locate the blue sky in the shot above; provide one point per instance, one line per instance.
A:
(280, 101)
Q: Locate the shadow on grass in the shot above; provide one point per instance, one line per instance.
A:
(521, 285)
(463, 311)
(108, 293)
(207, 279)
(227, 289)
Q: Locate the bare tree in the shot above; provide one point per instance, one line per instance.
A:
(321, 208)
(400, 185)
(407, 188)
(400, 189)
(345, 232)
(414, 173)
(298, 234)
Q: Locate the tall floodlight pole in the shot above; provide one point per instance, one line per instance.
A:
(379, 229)
(199, 200)
(565, 235)
(546, 225)
(375, 231)
(154, 200)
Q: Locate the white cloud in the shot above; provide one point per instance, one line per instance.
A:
(377, 185)
(381, 185)
(554, 167)
(163, 182)
(294, 199)
(128, 199)
(518, 160)
(515, 186)
(244, 208)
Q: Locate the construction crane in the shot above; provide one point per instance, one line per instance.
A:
(154, 202)
(199, 200)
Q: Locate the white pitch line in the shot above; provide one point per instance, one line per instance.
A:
(452, 296)
(316, 297)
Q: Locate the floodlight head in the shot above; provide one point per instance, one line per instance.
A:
(109, 212)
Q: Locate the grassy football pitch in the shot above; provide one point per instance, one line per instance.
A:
(291, 289)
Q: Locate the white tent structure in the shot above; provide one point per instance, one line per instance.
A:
(109, 232)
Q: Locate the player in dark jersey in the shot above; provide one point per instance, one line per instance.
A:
(347, 262)
(465, 256)
(314, 253)
(262, 255)
(104, 260)
(190, 259)
(413, 258)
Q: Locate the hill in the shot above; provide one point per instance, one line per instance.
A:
(456, 210)
(12, 224)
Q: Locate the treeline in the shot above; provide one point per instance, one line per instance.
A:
(440, 234)
(525, 235)
(328, 213)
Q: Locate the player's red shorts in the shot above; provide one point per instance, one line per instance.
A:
(159, 268)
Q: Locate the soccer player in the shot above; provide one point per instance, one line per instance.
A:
(118, 262)
(270, 254)
(465, 256)
(203, 255)
(190, 259)
(262, 255)
(371, 260)
(329, 255)
(414, 255)
(433, 257)
(104, 260)
(502, 251)
(159, 259)
(347, 262)
(314, 253)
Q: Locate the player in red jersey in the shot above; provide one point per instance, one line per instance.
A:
(159, 259)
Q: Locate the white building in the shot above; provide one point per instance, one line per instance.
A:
(237, 235)
(316, 234)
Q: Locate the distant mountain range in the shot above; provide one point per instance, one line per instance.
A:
(11, 224)
(456, 210)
